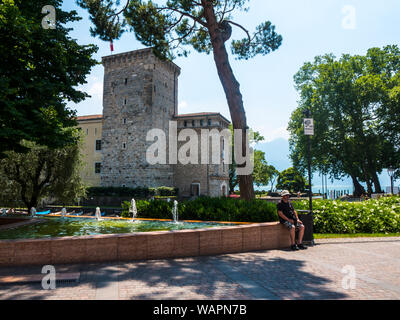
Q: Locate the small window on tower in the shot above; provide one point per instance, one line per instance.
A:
(124, 145)
(124, 120)
(97, 167)
(125, 101)
(126, 81)
(98, 145)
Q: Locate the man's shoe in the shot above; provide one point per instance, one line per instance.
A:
(294, 247)
(301, 246)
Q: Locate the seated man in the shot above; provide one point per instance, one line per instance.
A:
(288, 217)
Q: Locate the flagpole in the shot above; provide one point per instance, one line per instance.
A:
(111, 46)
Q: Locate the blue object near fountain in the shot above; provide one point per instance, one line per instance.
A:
(43, 212)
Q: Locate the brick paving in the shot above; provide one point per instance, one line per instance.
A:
(315, 273)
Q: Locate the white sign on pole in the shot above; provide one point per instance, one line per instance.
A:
(309, 127)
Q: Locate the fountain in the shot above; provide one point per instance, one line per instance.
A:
(98, 214)
(3, 212)
(133, 209)
(63, 212)
(175, 211)
(33, 212)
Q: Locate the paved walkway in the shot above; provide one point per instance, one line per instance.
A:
(324, 271)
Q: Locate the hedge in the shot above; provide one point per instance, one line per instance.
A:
(207, 209)
(371, 216)
(139, 192)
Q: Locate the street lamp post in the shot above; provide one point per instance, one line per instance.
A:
(391, 175)
(309, 131)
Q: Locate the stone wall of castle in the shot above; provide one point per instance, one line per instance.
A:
(140, 94)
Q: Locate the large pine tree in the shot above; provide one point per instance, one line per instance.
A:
(171, 26)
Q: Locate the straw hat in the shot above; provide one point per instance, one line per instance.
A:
(285, 193)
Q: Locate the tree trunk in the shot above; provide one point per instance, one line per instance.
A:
(376, 182)
(358, 188)
(232, 91)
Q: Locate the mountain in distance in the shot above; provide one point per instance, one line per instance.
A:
(276, 153)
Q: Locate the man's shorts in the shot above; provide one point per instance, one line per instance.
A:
(289, 225)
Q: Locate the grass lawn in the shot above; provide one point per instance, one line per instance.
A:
(355, 235)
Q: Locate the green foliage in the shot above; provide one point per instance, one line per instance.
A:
(354, 101)
(292, 180)
(42, 172)
(40, 71)
(174, 25)
(207, 209)
(139, 192)
(263, 173)
(371, 216)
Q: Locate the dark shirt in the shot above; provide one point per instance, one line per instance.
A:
(287, 209)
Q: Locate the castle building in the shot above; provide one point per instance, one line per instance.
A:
(140, 95)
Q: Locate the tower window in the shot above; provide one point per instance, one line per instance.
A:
(126, 81)
(125, 101)
(87, 131)
(124, 121)
(98, 145)
(97, 167)
(124, 145)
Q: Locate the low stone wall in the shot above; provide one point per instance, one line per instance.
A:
(144, 246)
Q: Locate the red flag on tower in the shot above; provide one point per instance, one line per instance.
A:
(111, 46)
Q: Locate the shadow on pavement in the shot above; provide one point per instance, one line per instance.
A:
(217, 277)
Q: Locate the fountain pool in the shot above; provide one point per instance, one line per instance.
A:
(50, 227)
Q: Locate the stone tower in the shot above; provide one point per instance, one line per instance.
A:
(140, 94)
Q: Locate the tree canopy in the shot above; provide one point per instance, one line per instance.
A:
(26, 179)
(40, 70)
(291, 180)
(354, 101)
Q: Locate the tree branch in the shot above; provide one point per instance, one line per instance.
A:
(241, 27)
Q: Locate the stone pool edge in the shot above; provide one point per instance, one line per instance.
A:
(144, 246)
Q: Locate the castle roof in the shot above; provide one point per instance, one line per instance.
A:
(201, 114)
(90, 117)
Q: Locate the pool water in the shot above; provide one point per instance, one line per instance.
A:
(63, 227)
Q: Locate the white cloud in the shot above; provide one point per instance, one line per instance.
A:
(96, 90)
(183, 105)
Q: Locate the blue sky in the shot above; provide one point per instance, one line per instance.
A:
(309, 28)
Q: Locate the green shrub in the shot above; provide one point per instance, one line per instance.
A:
(371, 216)
(166, 191)
(139, 192)
(207, 209)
